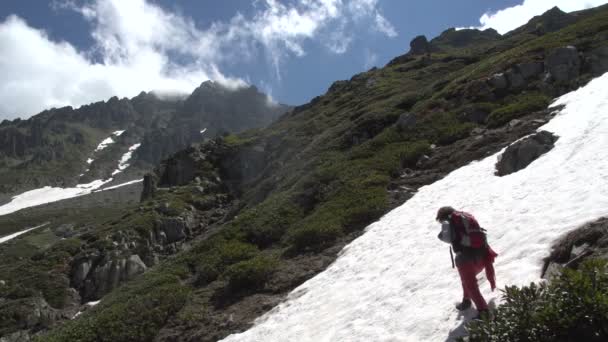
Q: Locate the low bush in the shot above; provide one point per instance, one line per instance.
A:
(315, 236)
(521, 105)
(573, 307)
(220, 255)
(250, 274)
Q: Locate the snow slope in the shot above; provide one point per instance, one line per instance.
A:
(395, 282)
(14, 235)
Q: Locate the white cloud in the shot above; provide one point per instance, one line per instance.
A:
(384, 26)
(137, 45)
(511, 18)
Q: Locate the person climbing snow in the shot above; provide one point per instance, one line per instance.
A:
(473, 255)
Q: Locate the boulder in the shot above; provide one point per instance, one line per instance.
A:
(522, 153)
(109, 273)
(174, 228)
(420, 46)
(516, 80)
(598, 60)
(149, 187)
(406, 121)
(135, 266)
(530, 70)
(563, 64)
(498, 81)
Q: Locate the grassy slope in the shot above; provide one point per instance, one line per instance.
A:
(325, 176)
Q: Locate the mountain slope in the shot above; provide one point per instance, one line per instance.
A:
(64, 147)
(230, 226)
(394, 283)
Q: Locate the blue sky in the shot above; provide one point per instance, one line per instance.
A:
(70, 52)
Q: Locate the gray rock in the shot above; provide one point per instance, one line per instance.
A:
(530, 70)
(80, 272)
(598, 60)
(406, 121)
(174, 229)
(553, 270)
(578, 250)
(516, 80)
(420, 45)
(135, 266)
(422, 160)
(2, 283)
(563, 64)
(149, 187)
(522, 153)
(498, 81)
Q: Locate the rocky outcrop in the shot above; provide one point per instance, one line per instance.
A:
(597, 61)
(522, 153)
(587, 241)
(420, 46)
(453, 38)
(96, 276)
(406, 121)
(563, 65)
(550, 21)
(149, 187)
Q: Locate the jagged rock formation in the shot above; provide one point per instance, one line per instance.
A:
(519, 155)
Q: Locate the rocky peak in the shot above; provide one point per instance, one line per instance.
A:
(419, 45)
(465, 37)
(550, 21)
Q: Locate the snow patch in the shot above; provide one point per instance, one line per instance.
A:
(89, 161)
(121, 185)
(123, 162)
(106, 142)
(14, 235)
(49, 194)
(203, 130)
(395, 282)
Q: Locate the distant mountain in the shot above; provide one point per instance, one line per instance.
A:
(61, 147)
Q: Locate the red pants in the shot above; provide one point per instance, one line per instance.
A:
(468, 276)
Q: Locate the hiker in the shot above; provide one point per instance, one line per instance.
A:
(473, 254)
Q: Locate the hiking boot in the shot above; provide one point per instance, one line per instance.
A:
(483, 315)
(466, 303)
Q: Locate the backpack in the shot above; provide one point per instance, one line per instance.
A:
(468, 231)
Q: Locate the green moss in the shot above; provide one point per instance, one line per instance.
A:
(135, 312)
(519, 106)
(250, 274)
(213, 257)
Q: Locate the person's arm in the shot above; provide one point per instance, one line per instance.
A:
(446, 232)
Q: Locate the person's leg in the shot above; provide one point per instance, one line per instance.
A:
(468, 272)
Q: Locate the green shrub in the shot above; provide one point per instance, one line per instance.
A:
(250, 274)
(315, 236)
(221, 255)
(409, 155)
(573, 307)
(520, 106)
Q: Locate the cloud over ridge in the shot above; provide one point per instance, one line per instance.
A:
(138, 46)
(511, 18)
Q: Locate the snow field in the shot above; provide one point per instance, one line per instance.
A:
(395, 282)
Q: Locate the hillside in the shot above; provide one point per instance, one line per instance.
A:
(229, 227)
(121, 138)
